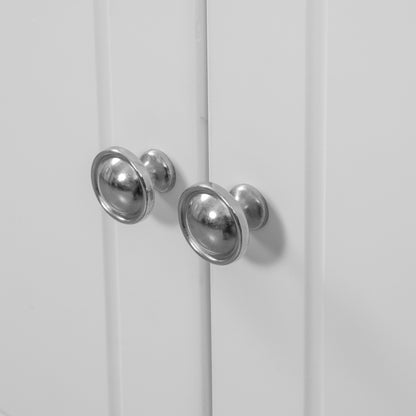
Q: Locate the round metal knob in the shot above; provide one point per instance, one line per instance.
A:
(124, 184)
(216, 223)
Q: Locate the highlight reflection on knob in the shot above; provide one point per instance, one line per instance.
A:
(217, 223)
(124, 184)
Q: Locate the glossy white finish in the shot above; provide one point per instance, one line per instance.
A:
(52, 320)
(370, 309)
(256, 79)
(157, 100)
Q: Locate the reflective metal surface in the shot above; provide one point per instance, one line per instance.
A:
(253, 203)
(124, 184)
(216, 223)
(160, 169)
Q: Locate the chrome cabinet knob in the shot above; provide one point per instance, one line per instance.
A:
(216, 223)
(124, 184)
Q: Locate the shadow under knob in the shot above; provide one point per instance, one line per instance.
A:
(124, 184)
(217, 223)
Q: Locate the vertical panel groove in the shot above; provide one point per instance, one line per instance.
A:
(203, 137)
(110, 236)
(316, 64)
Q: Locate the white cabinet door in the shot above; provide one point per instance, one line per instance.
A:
(314, 103)
(52, 321)
(99, 318)
(256, 73)
(150, 65)
(369, 335)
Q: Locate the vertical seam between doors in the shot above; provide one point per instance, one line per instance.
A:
(110, 234)
(205, 271)
(201, 36)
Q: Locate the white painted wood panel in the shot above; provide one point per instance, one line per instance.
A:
(256, 79)
(52, 320)
(360, 204)
(312, 104)
(370, 282)
(156, 65)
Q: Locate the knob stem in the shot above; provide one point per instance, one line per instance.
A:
(160, 168)
(253, 204)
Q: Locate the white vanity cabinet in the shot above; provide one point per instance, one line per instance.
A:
(313, 103)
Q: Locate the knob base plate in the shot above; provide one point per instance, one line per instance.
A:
(213, 223)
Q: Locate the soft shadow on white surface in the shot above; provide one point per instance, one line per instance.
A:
(166, 204)
(267, 245)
